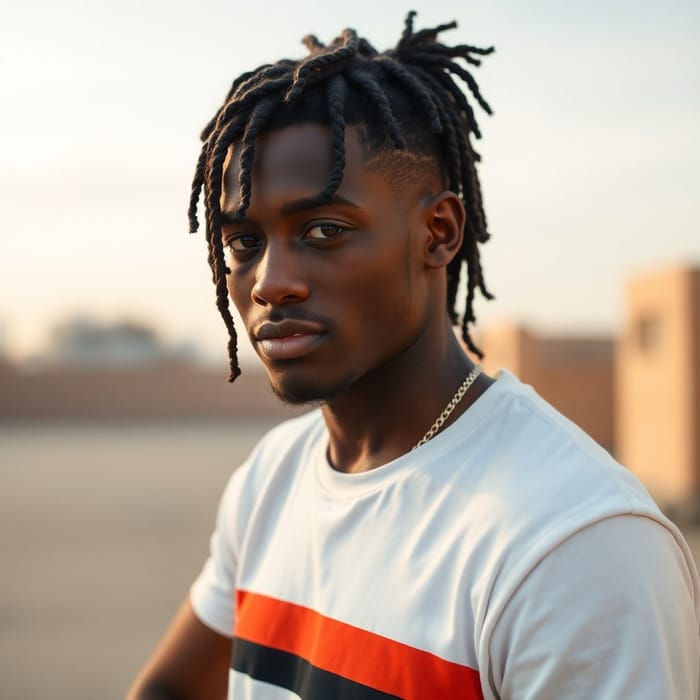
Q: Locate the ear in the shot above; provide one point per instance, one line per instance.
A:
(444, 219)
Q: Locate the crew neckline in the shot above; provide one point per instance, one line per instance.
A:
(343, 485)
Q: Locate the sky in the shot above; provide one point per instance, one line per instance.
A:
(590, 172)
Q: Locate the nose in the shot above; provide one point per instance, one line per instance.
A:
(279, 277)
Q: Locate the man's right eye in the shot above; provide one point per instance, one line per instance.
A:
(243, 242)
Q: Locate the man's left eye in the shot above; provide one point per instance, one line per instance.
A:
(324, 231)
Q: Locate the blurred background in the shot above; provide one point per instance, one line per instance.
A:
(117, 428)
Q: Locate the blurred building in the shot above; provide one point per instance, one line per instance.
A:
(124, 371)
(162, 391)
(575, 373)
(82, 342)
(658, 382)
(639, 395)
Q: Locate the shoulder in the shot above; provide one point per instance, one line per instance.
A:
(530, 462)
(287, 441)
(612, 611)
(530, 453)
(278, 456)
(524, 479)
(266, 477)
(587, 574)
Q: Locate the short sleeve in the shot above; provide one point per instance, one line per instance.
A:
(212, 594)
(609, 613)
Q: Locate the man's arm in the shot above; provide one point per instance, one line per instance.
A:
(191, 661)
(610, 613)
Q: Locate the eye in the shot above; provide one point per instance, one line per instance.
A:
(243, 242)
(324, 232)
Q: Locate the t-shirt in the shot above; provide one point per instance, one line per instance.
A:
(508, 557)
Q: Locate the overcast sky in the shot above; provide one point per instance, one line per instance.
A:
(591, 162)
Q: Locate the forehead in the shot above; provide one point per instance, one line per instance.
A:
(296, 161)
(297, 157)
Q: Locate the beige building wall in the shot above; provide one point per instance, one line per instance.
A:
(658, 360)
(167, 390)
(575, 374)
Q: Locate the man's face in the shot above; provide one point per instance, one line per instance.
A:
(329, 293)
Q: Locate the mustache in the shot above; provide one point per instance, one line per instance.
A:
(278, 315)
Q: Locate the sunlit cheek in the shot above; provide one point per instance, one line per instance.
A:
(235, 287)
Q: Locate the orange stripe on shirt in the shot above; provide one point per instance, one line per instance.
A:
(351, 652)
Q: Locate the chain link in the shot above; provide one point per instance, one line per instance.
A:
(454, 401)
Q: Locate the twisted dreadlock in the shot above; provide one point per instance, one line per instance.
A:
(406, 99)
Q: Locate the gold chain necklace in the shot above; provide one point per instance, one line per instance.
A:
(454, 401)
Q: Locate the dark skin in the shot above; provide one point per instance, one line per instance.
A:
(360, 282)
(191, 661)
(345, 303)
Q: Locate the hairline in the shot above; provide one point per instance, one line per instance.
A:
(384, 158)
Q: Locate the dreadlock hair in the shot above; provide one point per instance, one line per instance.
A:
(409, 106)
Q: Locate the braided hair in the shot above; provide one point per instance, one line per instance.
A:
(407, 101)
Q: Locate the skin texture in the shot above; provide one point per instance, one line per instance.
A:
(359, 283)
(345, 303)
(190, 662)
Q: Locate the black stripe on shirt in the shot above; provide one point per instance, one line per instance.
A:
(289, 671)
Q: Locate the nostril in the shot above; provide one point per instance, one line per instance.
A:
(279, 280)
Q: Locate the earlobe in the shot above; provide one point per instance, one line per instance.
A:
(445, 219)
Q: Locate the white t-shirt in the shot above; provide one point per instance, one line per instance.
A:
(509, 557)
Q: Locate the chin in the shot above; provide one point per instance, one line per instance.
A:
(298, 391)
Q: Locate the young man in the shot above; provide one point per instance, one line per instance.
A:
(428, 531)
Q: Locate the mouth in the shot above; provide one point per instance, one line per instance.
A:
(289, 347)
(288, 339)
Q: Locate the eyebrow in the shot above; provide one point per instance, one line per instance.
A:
(295, 206)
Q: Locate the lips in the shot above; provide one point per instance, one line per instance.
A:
(288, 339)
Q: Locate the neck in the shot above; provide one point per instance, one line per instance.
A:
(385, 413)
